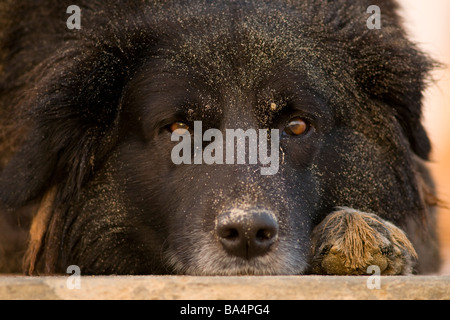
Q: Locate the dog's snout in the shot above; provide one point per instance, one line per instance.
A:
(247, 234)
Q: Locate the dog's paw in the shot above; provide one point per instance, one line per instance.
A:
(348, 242)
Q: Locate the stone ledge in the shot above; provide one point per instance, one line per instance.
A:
(227, 288)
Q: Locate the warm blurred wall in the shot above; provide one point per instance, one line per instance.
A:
(428, 23)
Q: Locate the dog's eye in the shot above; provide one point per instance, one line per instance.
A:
(297, 126)
(180, 127)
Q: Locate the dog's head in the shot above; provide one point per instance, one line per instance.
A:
(133, 121)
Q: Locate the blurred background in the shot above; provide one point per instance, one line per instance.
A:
(428, 24)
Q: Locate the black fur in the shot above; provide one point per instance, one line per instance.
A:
(86, 111)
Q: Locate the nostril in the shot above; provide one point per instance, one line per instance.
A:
(264, 234)
(228, 233)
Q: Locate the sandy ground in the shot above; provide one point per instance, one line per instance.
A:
(226, 288)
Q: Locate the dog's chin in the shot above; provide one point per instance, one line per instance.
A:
(210, 261)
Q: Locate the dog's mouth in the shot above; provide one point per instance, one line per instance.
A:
(243, 242)
(209, 261)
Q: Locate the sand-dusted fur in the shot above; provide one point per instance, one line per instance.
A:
(86, 175)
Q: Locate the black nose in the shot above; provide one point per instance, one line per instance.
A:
(247, 234)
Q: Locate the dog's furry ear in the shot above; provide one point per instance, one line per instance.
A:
(400, 85)
(74, 114)
(71, 98)
(64, 146)
(395, 72)
(66, 156)
(387, 67)
(27, 172)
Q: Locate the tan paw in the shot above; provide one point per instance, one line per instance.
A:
(348, 242)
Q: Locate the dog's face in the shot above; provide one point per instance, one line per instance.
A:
(308, 71)
(224, 218)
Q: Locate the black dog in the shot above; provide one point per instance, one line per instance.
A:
(88, 117)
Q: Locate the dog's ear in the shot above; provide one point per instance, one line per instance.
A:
(74, 114)
(399, 83)
(65, 156)
(410, 120)
(402, 89)
(71, 98)
(26, 174)
(392, 70)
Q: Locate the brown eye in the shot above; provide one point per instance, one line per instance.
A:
(296, 127)
(180, 127)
